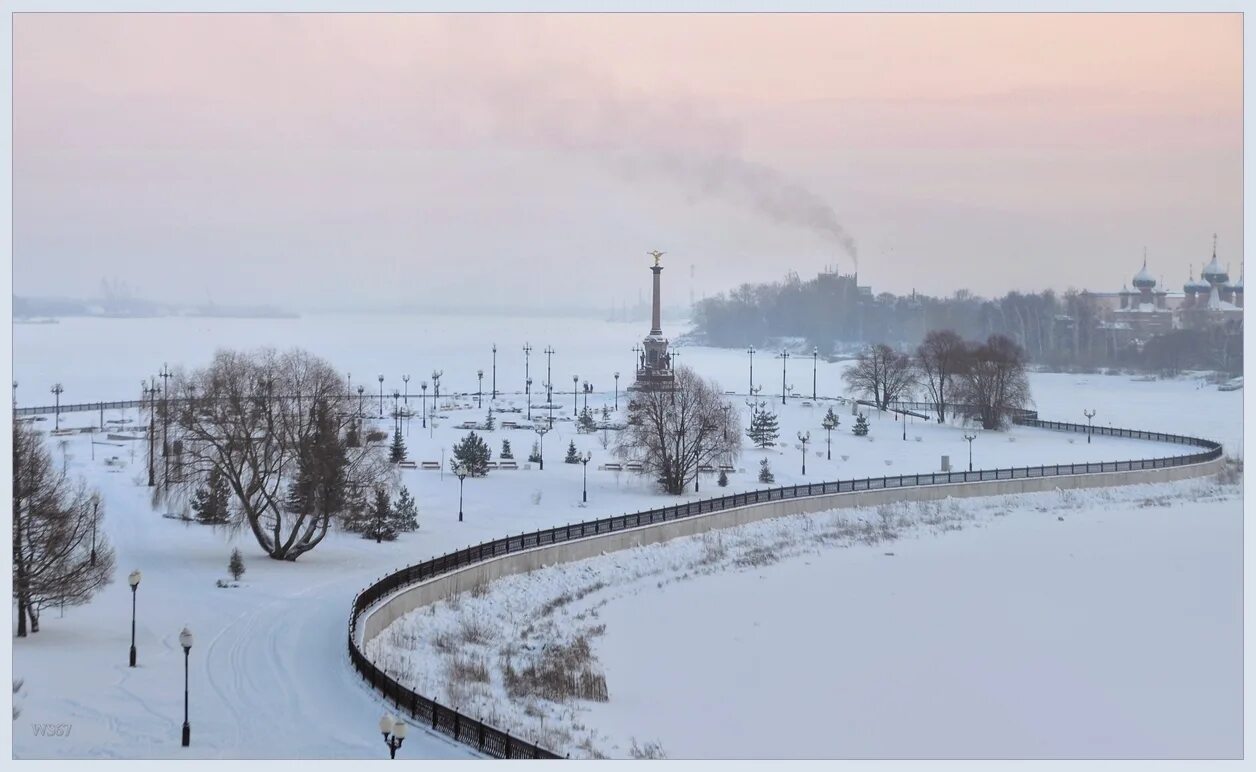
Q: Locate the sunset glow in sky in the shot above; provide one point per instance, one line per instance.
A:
(319, 159)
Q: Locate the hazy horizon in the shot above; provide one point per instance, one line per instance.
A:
(308, 161)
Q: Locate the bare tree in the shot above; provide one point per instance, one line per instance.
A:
(274, 426)
(672, 433)
(939, 359)
(59, 555)
(993, 381)
(882, 374)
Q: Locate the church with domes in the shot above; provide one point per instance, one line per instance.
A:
(1150, 308)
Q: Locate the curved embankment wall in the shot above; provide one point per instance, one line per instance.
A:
(437, 588)
(403, 591)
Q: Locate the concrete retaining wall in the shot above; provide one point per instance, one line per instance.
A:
(437, 588)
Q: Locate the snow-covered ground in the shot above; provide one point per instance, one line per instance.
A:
(1077, 624)
(276, 647)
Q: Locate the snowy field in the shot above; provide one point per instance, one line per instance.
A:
(1078, 624)
(275, 647)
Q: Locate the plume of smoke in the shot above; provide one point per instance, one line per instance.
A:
(576, 108)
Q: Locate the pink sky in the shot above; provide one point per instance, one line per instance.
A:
(343, 158)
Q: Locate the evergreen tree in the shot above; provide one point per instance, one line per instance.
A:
(861, 426)
(765, 473)
(472, 453)
(572, 456)
(586, 424)
(722, 480)
(405, 513)
(236, 564)
(535, 456)
(764, 428)
(379, 524)
(830, 422)
(211, 502)
(397, 453)
(489, 422)
(506, 451)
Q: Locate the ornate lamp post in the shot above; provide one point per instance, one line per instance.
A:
(784, 357)
(970, 438)
(804, 439)
(527, 393)
(394, 731)
(750, 351)
(423, 406)
(57, 389)
(527, 355)
(575, 399)
(460, 472)
(134, 581)
(479, 390)
(349, 384)
(588, 456)
(381, 395)
(616, 390)
(396, 395)
(405, 397)
(436, 374)
(541, 431)
(361, 391)
(1090, 414)
(494, 372)
(185, 640)
(588, 389)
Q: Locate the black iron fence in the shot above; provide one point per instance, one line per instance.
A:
(495, 742)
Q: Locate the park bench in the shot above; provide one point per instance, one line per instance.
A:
(509, 425)
(490, 465)
(507, 465)
(430, 465)
(633, 467)
(407, 465)
(612, 467)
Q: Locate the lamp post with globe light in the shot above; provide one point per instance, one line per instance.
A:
(185, 640)
(134, 581)
(394, 731)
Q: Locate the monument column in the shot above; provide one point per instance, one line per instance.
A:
(656, 316)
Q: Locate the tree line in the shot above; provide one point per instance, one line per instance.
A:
(1054, 330)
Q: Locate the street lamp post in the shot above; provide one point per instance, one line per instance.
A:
(479, 390)
(970, 438)
(405, 397)
(527, 355)
(1090, 414)
(638, 360)
(349, 384)
(549, 374)
(750, 351)
(396, 395)
(588, 456)
(361, 392)
(494, 372)
(185, 640)
(588, 389)
(436, 374)
(394, 731)
(57, 389)
(616, 390)
(784, 359)
(423, 404)
(575, 398)
(804, 439)
(460, 472)
(815, 362)
(527, 393)
(381, 395)
(541, 431)
(134, 581)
